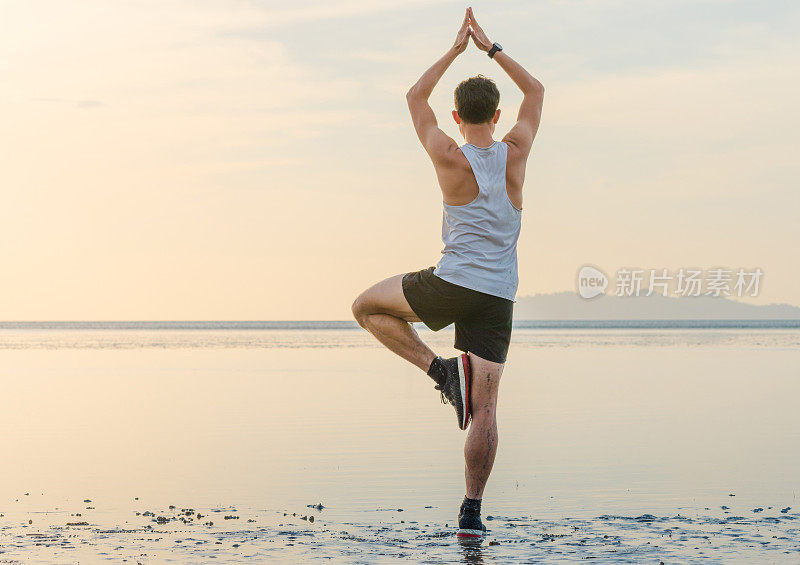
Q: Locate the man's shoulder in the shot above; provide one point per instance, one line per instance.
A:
(451, 158)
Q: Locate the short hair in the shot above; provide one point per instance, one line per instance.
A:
(477, 99)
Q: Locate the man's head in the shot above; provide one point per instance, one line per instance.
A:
(476, 101)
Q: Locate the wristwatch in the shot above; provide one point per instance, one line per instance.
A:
(495, 48)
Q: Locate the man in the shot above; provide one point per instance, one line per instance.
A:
(475, 282)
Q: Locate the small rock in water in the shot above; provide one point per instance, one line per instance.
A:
(77, 523)
(162, 520)
(645, 518)
(731, 494)
(758, 509)
(493, 542)
(86, 500)
(724, 507)
(785, 510)
(311, 519)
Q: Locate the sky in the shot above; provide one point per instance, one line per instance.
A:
(244, 160)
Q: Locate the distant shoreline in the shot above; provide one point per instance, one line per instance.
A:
(351, 325)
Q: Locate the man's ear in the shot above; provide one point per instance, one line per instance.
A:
(496, 116)
(456, 117)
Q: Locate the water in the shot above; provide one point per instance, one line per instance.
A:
(615, 444)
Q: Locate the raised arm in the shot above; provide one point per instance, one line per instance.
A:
(530, 111)
(437, 143)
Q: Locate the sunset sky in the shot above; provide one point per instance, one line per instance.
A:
(246, 160)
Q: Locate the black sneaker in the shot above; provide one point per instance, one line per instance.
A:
(456, 389)
(470, 527)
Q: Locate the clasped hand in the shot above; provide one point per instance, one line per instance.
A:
(470, 28)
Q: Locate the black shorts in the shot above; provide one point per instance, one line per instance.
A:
(483, 321)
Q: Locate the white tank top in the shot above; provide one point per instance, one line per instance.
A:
(480, 238)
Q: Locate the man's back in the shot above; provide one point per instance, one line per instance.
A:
(457, 181)
(480, 237)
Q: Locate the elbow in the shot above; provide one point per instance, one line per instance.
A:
(535, 87)
(418, 92)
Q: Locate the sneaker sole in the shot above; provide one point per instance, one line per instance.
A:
(470, 534)
(464, 378)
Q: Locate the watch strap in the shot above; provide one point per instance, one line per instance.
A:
(495, 48)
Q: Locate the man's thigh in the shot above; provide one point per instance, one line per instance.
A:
(387, 297)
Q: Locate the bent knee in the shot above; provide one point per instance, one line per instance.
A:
(360, 310)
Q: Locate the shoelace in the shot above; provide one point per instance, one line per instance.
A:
(440, 388)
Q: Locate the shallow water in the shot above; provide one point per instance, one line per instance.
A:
(616, 445)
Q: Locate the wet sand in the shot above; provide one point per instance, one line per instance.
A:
(182, 534)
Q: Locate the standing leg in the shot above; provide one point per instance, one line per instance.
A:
(481, 445)
(384, 311)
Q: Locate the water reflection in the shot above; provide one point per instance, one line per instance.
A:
(472, 551)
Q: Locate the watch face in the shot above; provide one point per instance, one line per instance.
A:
(498, 46)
